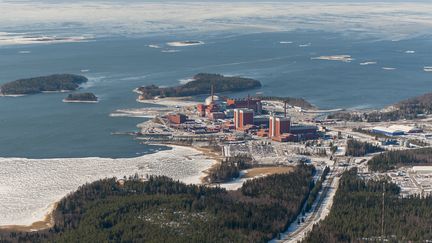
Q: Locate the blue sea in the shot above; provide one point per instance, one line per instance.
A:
(42, 126)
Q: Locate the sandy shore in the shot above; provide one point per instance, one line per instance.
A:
(44, 224)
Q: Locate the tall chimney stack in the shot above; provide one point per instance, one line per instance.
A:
(212, 92)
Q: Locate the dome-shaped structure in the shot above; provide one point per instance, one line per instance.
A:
(216, 100)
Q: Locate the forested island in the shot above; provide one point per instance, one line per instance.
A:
(407, 109)
(51, 83)
(163, 210)
(201, 84)
(81, 97)
(393, 159)
(357, 211)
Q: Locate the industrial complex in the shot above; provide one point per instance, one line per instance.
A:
(274, 133)
(245, 115)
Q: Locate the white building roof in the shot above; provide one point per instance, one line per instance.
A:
(422, 169)
(388, 129)
(215, 99)
(404, 128)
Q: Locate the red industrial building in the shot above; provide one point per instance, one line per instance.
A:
(201, 108)
(281, 129)
(177, 118)
(249, 103)
(263, 133)
(211, 110)
(278, 126)
(243, 118)
(216, 115)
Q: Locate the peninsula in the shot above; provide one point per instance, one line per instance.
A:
(409, 109)
(51, 83)
(201, 84)
(81, 98)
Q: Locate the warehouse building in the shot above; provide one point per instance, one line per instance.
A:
(396, 130)
(387, 131)
(406, 129)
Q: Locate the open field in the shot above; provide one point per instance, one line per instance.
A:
(265, 171)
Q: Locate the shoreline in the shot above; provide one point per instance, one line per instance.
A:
(212, 155)
(170, 101)
(200, 159)
(46, 223)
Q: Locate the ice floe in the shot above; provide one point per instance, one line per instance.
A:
(341, 58)
(428, 69)
(368, 63)
(185, 43)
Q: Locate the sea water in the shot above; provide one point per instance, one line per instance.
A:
(41, 126)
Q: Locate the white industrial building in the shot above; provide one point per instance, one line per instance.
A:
(406, 129)
(396, 130)
(422, 169)
(387, 131)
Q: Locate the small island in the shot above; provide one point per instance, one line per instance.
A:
(51, 83)
(81, 98)
(201, 84)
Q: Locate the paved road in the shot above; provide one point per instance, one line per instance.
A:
(320, 209)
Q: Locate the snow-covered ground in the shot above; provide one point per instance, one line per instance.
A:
(29, 187)
(236, 183)
(170, 102)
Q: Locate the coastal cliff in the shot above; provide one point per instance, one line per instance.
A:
(51, 83)
(201, 84)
